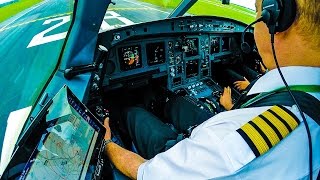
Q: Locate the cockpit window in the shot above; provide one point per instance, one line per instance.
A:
(128, 12)
(32, 33)
(240, 10)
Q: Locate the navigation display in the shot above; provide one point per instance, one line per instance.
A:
(225, 44)
(129, 57)
(191, 47)
(68, 143)
(64, 150)
(192, 68)
(215, 45)
(156, 53)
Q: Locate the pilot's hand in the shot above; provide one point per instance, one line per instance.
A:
(241, 85)
(107, 136)
(225, 99)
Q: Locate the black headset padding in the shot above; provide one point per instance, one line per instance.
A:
(279, 13)
(287, 15)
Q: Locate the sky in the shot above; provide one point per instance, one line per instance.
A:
(246, 3)
(3, 1)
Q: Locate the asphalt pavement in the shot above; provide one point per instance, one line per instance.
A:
(30, 44)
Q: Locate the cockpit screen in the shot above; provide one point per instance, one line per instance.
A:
(215, 45)
(192, 68)
(191, 47)
(67, 142)
(156, 53)
(64, 150)
(225, 44)
(130, 57)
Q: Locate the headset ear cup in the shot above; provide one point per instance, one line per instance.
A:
(287, 15)
(265, 16)
(245, 47)
(278, 15)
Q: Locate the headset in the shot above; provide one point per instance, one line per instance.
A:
(279, 15)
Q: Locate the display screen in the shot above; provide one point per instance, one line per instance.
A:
(225, 44)
(156, 53)
(192, 68)
(65, 150)
(215, 45)
(130, 57)
(67, 142)
(191, 47)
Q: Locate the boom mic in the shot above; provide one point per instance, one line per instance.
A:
(245, 47)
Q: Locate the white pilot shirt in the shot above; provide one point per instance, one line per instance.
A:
(215, 148)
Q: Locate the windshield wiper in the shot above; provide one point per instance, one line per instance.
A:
(77, 70)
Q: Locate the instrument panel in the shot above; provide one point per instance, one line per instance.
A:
(182, 50)
(183, 59)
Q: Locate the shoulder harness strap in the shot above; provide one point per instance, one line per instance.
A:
(309, 104)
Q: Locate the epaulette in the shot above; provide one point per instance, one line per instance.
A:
(268, 129)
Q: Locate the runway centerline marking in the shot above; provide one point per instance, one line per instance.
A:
(68, 13)
(147, 7)
(32, 21)
(117, 9)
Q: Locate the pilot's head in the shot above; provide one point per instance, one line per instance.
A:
(299, 45)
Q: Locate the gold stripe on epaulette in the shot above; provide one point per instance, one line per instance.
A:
(268, 129)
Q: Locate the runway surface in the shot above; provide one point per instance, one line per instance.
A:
(31, 42)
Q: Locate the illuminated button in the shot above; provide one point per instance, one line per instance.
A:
(189, 87)
(197, 84)
(193, 86)
(201, 83)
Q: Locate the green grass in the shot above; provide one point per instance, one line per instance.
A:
(205, 8)
(16, 7)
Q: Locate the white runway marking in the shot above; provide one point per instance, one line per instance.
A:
(146, 6)
(42, 39)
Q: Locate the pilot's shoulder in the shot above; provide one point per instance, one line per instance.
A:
(230, 121)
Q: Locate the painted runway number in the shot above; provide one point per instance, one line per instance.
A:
(44, 38)
(113, 15)
(41, 38)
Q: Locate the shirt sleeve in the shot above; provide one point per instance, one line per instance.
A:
(200, 157)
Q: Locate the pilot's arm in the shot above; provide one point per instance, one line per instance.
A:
(125, 161)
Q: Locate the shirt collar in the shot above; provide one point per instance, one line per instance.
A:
(294, 75)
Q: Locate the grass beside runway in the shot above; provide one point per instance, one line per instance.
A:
(211, 7)
(16, 7)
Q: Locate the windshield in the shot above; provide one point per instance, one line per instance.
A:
(32, 33)
(128, 12)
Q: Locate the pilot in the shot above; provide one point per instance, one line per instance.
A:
(229, 141)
